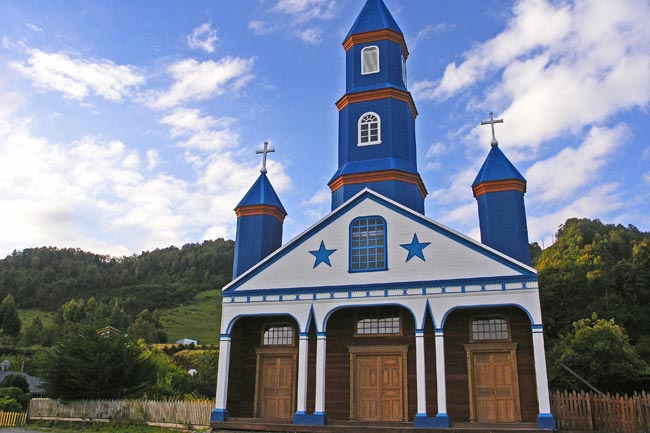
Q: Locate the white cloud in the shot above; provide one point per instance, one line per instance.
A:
(555, 68)
(195, 81)
(593, 203)
(260, 27)
(201, 132)
(646, 177)
(311, 35)
(76, 78)
(184, 120)
(303, 11)
(108, 198)
(535, 24)
(153, 159)
(300, 18)
(428, 31)
(34, 27)
(204, 37)
(549, 180)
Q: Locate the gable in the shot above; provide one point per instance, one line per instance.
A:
(320, 257)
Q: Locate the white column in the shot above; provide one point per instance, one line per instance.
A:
(222, 374)
(421, 372)
(320, 373)
(440, 372)
(303, 353)
(540, 370)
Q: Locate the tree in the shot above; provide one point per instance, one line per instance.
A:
(34, 332)
(15, 381)
(599, 350)
(17, 395)
(87, 365)
(10, 321)
(148, 327)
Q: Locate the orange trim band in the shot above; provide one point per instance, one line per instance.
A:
(499, 186)
(378, 176)
(373, 95)
(260, 209)
(376, 35)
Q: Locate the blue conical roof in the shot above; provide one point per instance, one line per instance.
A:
(497, 167)
(261, 193)
(374, 16)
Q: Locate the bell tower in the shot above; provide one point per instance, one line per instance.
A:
(377, 114)
(499, 190)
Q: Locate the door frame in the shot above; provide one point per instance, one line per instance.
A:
(397, 349)
(262, 352)
(494, 347)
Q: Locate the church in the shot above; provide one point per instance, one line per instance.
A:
(376, 314)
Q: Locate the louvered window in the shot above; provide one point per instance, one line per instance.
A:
(369, 60)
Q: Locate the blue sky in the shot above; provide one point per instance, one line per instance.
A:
(128, 126)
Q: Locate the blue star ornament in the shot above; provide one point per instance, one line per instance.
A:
(415, 248)
(322, 255)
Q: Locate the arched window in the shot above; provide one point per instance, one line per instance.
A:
(279, 334)
(404, 71)
(368, 244)
(490, 329)
(369, 129)
(370, 60)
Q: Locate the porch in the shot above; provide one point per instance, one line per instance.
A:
(341, 426)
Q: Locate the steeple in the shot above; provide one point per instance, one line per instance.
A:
(374, 16)
(377, 114)
(260, 216)
(499, 190)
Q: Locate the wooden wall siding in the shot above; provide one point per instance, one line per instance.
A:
(340, 335)
(430, 363)
(246, 337)
(457, 334)
(311, 377)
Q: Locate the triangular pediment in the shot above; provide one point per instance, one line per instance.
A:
(418, 250)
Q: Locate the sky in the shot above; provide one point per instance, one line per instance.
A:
(127, 126)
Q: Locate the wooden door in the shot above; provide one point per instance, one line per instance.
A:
(495, 391)
(380, 391)
(276, 386)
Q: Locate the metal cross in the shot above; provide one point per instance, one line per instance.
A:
(491, 122)
(264, 152)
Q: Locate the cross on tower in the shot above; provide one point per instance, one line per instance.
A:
(491, 122)
(264, 152)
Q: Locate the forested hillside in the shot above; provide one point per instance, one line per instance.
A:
(596, 268)
(47, 277)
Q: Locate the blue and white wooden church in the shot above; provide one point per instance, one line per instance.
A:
(377, 313)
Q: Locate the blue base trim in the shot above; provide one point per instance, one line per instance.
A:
(318, 418)
(546, 421)
(219, 415)
(439, 421)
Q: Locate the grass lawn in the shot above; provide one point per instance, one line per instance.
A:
(97, 427)
(26, 316)
(200, 319)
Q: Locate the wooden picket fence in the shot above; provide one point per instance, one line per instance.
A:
(12, 419)
(605, 413)
(163, 413)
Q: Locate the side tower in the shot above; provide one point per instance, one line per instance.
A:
(377, 114)
(499, 189)
(260, 216)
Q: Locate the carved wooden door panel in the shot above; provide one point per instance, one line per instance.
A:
(380, 390)
(276, 386)
(495, 391)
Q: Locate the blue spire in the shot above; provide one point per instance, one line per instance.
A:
(374, 16)
(497, 167)
(261, 193)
